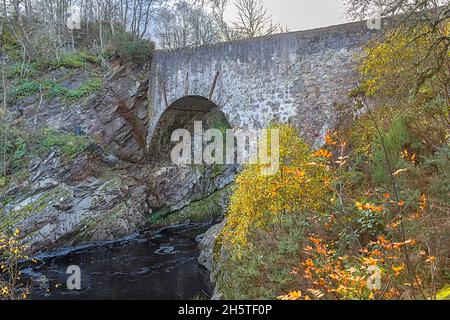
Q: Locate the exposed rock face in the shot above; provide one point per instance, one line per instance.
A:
(97, 197)
(116, 117)
(172, 188)
(207, 210)
(121, 114)
(207, 242)
(58, 206)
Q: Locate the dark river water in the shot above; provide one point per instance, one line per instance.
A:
(161, 266)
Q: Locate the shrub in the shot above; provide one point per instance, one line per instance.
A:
(128, 49)
(444, 293)
(259, 200)
(403, 63)
(437, 168)
(395, 141)
(70, 60)
(328, 275)
(10, 44)
(264, 271)
(11, 253)
(26, 89)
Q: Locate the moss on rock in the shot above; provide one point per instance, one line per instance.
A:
(14, 213)
(206, 210)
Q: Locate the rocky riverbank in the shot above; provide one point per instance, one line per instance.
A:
(73, 193)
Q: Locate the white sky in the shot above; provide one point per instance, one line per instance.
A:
(303, 14)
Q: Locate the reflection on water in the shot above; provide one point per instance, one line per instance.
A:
(163, 266)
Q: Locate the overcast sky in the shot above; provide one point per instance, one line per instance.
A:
(304, 14)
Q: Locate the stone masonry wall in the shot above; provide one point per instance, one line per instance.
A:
(298, 77)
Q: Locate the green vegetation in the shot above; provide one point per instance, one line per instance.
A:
(395, 140)
(19, 145)
(11, 45)
(222, 125)
(70, 145)
(27, 76)
(13, 148)
(206, 210)
(69, 60)
(21, 70)
(265, 270)
(26, 89)
(129, 49)
(50, 89)
(77, 59)
(56, 90)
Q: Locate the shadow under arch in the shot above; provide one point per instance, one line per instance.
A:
(182, 114)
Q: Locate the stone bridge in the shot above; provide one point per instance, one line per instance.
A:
(299, 78)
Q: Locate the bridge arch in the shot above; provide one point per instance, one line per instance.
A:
(182, 114)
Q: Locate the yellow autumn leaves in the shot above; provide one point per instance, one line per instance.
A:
(11, 252)
(259, 200)
(387, 67)
(10, 244)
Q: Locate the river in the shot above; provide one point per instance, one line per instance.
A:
(153, 265)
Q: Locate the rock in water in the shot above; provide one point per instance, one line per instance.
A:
(211, 254)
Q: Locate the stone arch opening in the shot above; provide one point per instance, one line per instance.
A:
(182, 114)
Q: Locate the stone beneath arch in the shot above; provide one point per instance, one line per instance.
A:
(181, 115)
